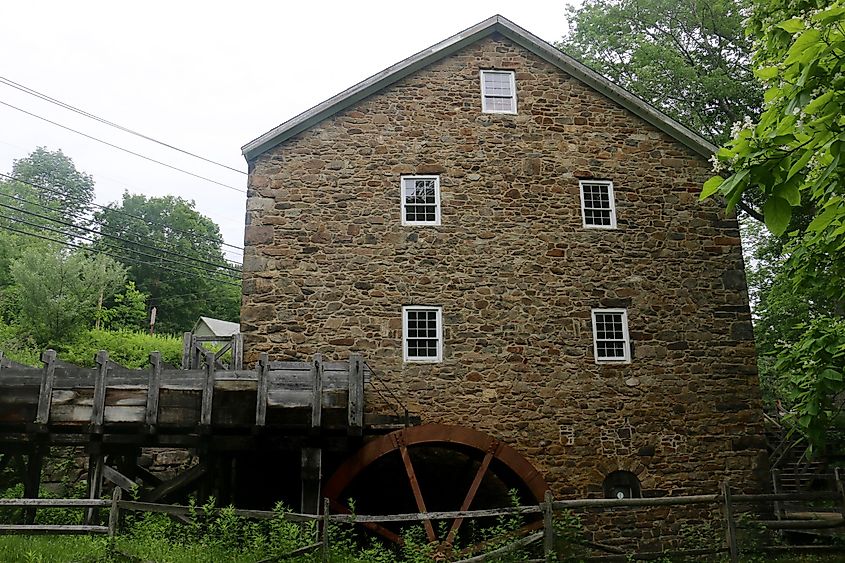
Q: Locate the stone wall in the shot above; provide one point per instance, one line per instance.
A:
(328, 266)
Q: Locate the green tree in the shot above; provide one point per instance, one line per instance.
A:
(51, 179)
(127, 310)
(188, 278)
(689, 58)
(792, 156)
(58, 291)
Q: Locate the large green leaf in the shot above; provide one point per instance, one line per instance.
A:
(777, 212)
(792, 26)
(711, 186)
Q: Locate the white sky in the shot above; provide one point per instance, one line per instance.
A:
(205, 76)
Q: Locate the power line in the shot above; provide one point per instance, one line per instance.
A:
(153, 256)
(87, 136)
(195, 236)
(102, 234)
(99, 251)
(64, 105)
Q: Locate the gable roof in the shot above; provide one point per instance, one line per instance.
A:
(218, 327)
(495, 24)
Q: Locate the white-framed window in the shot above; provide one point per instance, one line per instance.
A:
(498, 91)
(610, 335)
(598, 209)
(420, 200)
(422, 333)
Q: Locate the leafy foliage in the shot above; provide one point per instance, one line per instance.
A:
(690, 59)
(177, 284)
(58, 292)
(128, 348)
(127, 311)
(792, 157)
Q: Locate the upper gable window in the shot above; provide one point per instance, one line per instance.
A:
(420, 200)
(597, 206)
(498, 91)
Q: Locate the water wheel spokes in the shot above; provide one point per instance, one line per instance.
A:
(417, 449)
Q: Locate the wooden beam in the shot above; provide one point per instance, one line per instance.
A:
(151, 415)
(238, 351)
(261, 390)
(415, 488)
(122, 481)
(45, 393)
(33, 529)
(196, 352)
(176, 484)
(548, 528)
(114, 512)
(311, 473)
(32, 481)
(208, 390)
(95, 481)
(186, 350)
(99, 403)
(355, 399)
(730, 524)
(316, 393)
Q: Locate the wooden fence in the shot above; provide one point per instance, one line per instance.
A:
(543, 533)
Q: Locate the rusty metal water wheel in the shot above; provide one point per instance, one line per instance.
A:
(433, 468)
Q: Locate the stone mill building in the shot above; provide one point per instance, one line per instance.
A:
(516, 246)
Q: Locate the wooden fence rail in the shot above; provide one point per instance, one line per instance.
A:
(546, 535)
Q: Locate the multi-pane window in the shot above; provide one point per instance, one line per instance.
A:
(420, 200)
(597, 206)
(498, 91)
(610, 335)
(422, 333)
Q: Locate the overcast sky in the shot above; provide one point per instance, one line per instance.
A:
(205, 76)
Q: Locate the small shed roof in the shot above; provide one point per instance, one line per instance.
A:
(494, 24)
(218, 327)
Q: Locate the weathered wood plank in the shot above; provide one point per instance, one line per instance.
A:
(116, 477)
(730, 523)
(317, 392)
(186, 350)
(51, 529)
(114, 512)
(178, 510)
(208, 390)
(355, 397)
(54, 502)
(237, 351)
(45, 393)
(185, 479)
(99, 399)
(261, 392)
(151, 410)
(95, 482)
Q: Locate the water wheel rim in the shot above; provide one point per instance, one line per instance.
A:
(434, 434)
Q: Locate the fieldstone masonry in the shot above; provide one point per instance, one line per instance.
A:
(328, 267)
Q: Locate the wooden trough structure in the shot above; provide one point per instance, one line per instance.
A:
(298, 408)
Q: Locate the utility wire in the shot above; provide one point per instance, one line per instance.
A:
(98, 251)
(64, 105)
(195, 236)
(153, 256)
(182, 170)
(102, 234)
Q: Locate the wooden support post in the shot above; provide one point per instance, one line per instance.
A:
(776, 489)
(237, 351)
(114, 512)
(730, 524)
(45, 393)
(186, 350)
(32, 480)
(153, 385)
(311, 472)
(355, 422)
(325, 548)
(207, 391)
(95, 480)
(99, 405)
(316, 393)
(261, 389)
(840, 488)
(196, 352)
(548, 528)
(119, 479)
